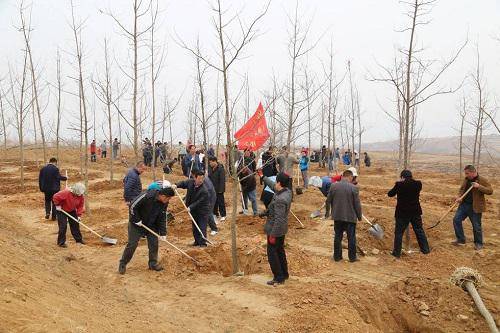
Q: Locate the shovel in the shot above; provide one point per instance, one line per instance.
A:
(450, 209)
(298, 220)
(375, 229)
(104, 239)
(299, 189)
(317, 213)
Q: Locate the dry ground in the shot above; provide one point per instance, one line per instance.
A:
(48, 289)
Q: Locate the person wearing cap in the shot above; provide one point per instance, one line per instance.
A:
(276, 227)
(71, 201)
(343, 197)
(472, 206)
(148, 209)
(408, 211)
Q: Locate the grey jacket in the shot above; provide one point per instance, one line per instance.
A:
(277, 212)
(286, 162)
(344, 200)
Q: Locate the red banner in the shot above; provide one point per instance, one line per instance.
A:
(254, 133)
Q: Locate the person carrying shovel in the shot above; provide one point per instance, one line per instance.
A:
(71, 201)
(471, 206)
(148, 209)
(408, 211)
(198, 205)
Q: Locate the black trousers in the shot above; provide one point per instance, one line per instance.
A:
(103, 154)
(134, 235)
(49, 205)
(202, 221)
(220, 205)
(339, 228)
(277, 259)
(401, 225)
(93, 157)
(74, 227)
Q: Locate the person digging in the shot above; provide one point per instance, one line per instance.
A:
(148, 209)
(71, 201)
(276, 226)
(408, 211)
(471, 206)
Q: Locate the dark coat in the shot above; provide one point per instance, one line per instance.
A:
(186, 164)
(269, 165)
(196, 198)
(343, 197)
(277, 212)
(218, 178)
(132, 185)
(408, 198)
(150, 211)
(212, 195)
(248, 182)
(49, 179)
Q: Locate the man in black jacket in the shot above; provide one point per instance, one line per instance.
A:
(49, 181)
(248, 189)
(217, 175)
(198, 205)
(408, 211)
(148, 209)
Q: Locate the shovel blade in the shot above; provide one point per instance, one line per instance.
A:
(315, 214)
(299, 190)
(376, 231)
(108, 240)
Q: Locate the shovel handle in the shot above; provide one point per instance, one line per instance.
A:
(172, 245)
(298, 220)
(450, 209)
(368, 221)
(191, 216)
(80, 222)
(66, 172)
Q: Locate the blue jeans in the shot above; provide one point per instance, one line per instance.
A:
(465, 211)
(252, 195)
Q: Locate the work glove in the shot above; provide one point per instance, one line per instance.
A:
(59, 208)
(163, 238)
(272, 240)
(139, 224)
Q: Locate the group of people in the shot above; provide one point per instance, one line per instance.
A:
(205, 203)
(348, 158)
(102, 150)
(152, 154)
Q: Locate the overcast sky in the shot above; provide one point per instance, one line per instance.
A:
(364, 31)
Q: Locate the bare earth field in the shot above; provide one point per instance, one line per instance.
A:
(78, 289)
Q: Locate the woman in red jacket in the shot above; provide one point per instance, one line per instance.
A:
(70, 200)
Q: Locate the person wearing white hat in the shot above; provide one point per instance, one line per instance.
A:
(71, 201)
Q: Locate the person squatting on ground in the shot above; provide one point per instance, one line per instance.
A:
(343, 197)
(198, 205)
(217, 175)
(49, 182)
(148, 209)
(71, 201)
(276, 227)
(472, 206)
(132, 185)
(408, 211)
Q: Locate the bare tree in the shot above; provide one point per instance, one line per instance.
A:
(76, 28)
(20, 108)
(478, 123)
(413, 92)
(26, 30)
(463, 114)
(134, 35)
(229, 52)
(4, 123)
(59, 107)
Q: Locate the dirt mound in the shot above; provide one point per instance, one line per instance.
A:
(105, 185)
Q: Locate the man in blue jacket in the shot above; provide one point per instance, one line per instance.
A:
(148, 209)
(132, 185)
(49, 182)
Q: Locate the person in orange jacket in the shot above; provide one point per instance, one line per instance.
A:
(71, 201)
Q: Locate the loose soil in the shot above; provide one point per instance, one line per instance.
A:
(49, 289)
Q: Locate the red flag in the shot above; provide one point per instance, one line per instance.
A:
(254, 133)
